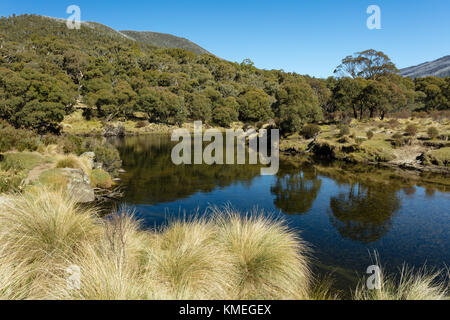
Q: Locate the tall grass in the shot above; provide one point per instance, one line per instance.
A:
(43, 224)
(268, 260)
(226, 256)
(74, 162)
(411, 285)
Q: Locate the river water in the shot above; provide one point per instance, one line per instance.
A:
(344, 212)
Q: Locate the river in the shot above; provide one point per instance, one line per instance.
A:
(344, 212)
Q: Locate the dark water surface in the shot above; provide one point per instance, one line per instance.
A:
(344, 212)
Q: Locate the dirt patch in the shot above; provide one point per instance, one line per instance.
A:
(34, 174)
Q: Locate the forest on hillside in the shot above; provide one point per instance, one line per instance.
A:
(47, 69)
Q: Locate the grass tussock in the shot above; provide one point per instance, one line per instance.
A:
(268, 260)
(43, 224)
(73, 162)
(43, 232)
(44, 235)
(411, 285)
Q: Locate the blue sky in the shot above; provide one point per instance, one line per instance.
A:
(305, 36)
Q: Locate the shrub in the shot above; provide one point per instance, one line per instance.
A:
(44, 224)
(10, 180)
(370, 134)
(101, 179)
(411, 130)
(142, 124)
(73, 144)
(344, 130)
(398, 140)
(393, 123)
(397, 136)
(106, 154)
(433, 132)
(310, 131)
(224, 116)
(403, 114)
(17, 139)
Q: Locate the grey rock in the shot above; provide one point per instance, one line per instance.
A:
(79, 185)
(114, 130)
(98, 165)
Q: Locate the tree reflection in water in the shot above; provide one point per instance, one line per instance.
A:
(296, 189)
(364, 213)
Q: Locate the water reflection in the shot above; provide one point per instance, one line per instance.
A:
(360, 208)
(152, 178)
(364, 213)
(296, 189)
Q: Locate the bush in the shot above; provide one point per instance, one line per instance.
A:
(433, 132)
(422, 285)
(397, 136)
(101, 179)
(73, 144)
(398, 140)
(224, 116)
(393, 123)
(310, 131)
(142, 124)
(344, 130)
(411, 130)
(74, 162)
(370, 134)
(17, 139)
(106, 154)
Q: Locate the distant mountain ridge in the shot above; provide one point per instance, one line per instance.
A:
(437, 68)
(156, 39)
(164, 40)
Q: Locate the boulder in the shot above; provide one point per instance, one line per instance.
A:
(78, 185)
(114, 130)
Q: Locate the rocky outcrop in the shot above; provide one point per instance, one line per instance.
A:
(114, 130)
(78, 185)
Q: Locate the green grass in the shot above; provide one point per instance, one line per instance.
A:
(21, 161)
(101, 179)
(440, 157)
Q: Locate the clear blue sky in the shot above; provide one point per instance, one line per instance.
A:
(305, 36)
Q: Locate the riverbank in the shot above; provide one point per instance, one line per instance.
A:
(386, 143)
(86, 167)
(421, 144)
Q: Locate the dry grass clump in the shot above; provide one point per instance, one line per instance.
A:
(43, 232)
(189, 262)
(421, 285)
(74, 162)
(227, 256)
(43, 224)
(269, 260)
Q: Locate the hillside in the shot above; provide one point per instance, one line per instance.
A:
(437, 68)
(164, 40)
